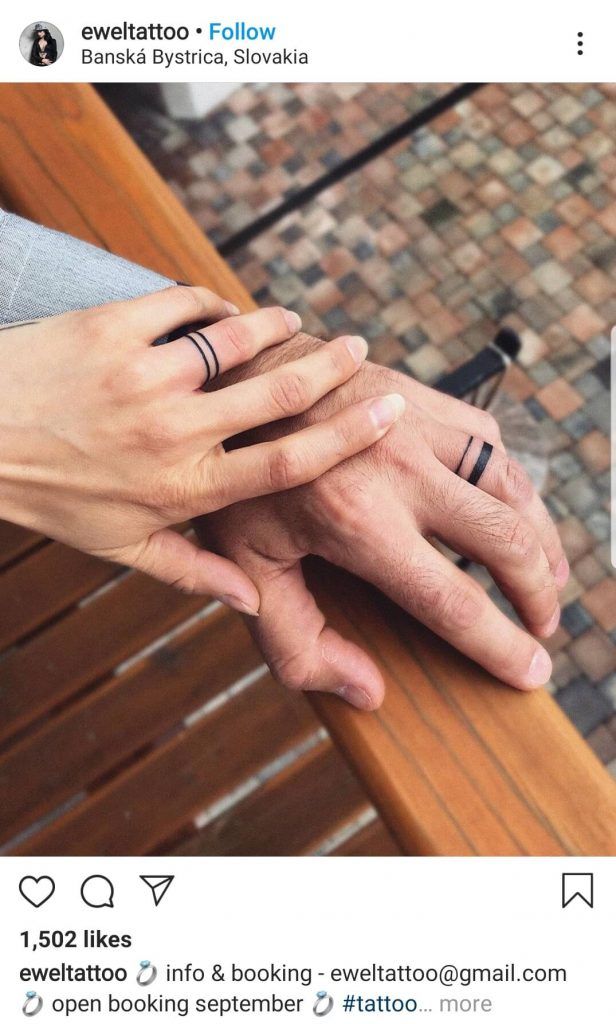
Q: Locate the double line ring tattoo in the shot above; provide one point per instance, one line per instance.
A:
(207, 352)
(482, 460)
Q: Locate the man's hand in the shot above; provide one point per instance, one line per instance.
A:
(374, 515)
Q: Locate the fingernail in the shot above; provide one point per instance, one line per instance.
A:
(238, 604)
(385, 411)
(293, 321)
(357, 697)
(540, 668)
(231, 309)
(562, 572)
(358, 348)
(548, 628)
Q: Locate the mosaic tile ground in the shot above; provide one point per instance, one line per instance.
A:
(502, 210)
(266, 143)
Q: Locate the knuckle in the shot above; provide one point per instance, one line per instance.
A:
(96, 323)
(187, 302)
(237, 338)
(455, 608)
(186, 584)
(346, 505)
(157, 432)
(289, 394)
(489, 428)
(294, 672)
(519, 540)
(284, 469)
(134, 378)
(340, 360)
(519, 488)
(389, 380)
(346, 436)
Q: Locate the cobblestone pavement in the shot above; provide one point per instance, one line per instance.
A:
(502, 210)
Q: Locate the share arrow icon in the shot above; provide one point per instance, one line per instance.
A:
(158, 884)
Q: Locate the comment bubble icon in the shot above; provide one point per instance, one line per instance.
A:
(97, 892)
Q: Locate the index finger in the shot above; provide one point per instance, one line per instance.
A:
(147, 318)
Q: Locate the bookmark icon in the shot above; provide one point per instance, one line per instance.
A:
(158, 884)
(578, 885)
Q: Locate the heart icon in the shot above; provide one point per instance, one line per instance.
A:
(37, 890)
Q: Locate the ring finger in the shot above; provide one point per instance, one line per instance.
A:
(491, 533)
(201, 355)
(493, 471)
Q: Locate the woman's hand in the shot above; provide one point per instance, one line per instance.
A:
(107, 441)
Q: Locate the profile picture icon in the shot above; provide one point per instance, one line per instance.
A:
(41, 44)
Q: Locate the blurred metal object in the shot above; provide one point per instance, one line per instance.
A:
(478, 382)
(521, 437)
(487, 365)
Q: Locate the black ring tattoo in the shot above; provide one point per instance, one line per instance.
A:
(468, 444)
(203, 356)
(482, 460)
(211, 348)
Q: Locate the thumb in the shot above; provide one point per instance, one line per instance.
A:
(173, 559)
(303, 652)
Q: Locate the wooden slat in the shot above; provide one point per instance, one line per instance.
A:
(121, 717)
(292, 814)
(372, 841)
(43, 585)
(85, 646)
(98, 185)
(154, 799)
(457, 763)
(15, 541)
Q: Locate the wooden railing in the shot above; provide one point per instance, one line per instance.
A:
(457, 763)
